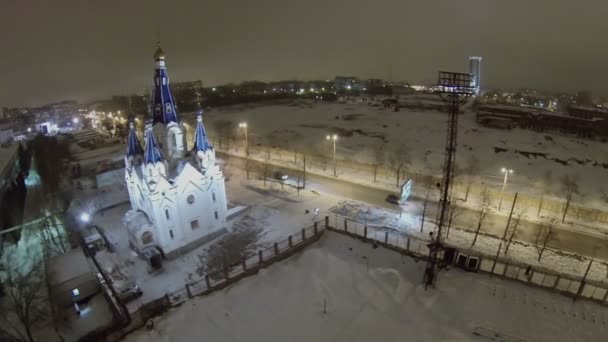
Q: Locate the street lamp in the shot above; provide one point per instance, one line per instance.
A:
(504, 184)
(333, 138)
(244, 126)
(75, 120)
(85, 217)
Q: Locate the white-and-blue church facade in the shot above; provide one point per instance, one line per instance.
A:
(177, 195)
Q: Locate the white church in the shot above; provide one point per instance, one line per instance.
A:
(178, 196)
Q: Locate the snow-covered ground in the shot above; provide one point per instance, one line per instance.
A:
(361, 127)
(340, 289)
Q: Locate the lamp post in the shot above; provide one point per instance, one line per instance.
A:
(504, 185)
(244, 126)
(333, 138)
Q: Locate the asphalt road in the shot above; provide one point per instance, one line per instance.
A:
(494, 224)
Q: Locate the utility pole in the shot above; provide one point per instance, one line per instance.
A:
(454, 89)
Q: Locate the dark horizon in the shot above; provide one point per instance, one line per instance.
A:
(73, 50)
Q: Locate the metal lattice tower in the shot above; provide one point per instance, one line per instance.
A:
(454, 89)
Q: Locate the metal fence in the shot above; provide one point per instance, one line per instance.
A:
(577, 287)
(250, 265)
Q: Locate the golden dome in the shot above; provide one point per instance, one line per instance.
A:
(159, 54)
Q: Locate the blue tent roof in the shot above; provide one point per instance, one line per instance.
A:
(133, 145)
(201, 141)
(152, 154)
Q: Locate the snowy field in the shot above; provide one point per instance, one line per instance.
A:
(361, 127)
(340, 289)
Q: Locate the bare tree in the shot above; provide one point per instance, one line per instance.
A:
(230, 249)
(517, 218)
(453, 213)
(570, 187)
(425, 204)
(543, 184)
(249, 166)
(471, 171)
(23, 305)
(543, 235)
(397, 159)
(224, 129)
(266, 165)
(378, 158)
(53, 236)
(484, 208)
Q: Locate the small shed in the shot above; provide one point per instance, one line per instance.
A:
(71, 279)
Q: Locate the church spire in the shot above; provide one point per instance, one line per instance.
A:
(162, 104)
(201, 141)
(133, 145)
(152, 154)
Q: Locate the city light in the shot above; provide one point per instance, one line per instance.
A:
(75, 120)
(29, 129)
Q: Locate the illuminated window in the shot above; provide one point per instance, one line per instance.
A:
(75, 292)
(194, 225)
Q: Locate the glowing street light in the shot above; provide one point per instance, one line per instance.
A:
(333, 138)
(85, 217)
(244, 126)
(75, 120)
(504, 184)
(29, 129)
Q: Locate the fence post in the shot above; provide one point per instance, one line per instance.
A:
(408, 244)
(326, 222)
(276, 248)
(188, 291)
(244, 264)
(260, 257)
(386, 238)
(365, 232)
(557, 279)
(289, 241)
(583, 282)
(345, 227)
(207, 281)
(303, 234)
(316, 229)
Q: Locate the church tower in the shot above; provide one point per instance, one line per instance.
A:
(165, 118)
(135, 153)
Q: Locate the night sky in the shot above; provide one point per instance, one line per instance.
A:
(68, 49)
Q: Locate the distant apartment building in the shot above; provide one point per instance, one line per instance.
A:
(588, 112)
(347, 83)
(504, 116)
(475, 70)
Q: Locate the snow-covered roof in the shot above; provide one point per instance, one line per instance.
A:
(67, 266)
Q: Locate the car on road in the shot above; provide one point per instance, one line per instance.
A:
(130, 293)
(392, 198)
(278, 175)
